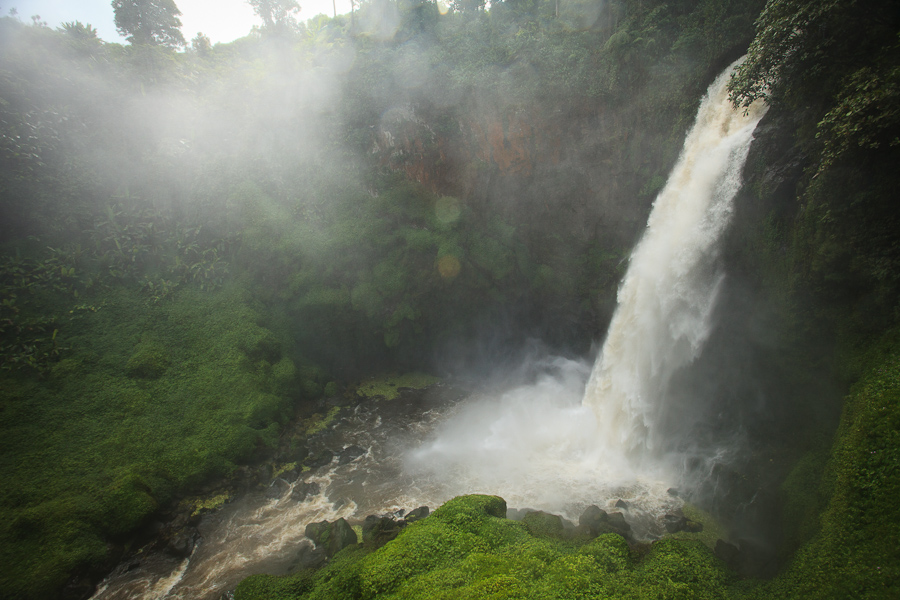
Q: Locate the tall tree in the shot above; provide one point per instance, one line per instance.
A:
(278, 16)
(149, 22)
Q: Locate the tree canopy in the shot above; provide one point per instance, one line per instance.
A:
(149, 22)
(277, 15)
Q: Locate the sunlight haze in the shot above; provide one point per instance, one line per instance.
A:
(220, 20)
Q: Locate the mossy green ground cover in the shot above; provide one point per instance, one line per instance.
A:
(467, 549)
(148, 400)
(853, 549)
(388, 386)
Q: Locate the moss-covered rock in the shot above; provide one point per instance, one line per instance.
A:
(467, 549)
(542, 524)
(388, 387)
(332, 537)
(149, 361)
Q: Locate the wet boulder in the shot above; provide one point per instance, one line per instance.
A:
(332, 537)
(379, 530)
(304, 489)
(617, 524)
(595, 522)
(349, 454)
(542, 524)
(318, 533)
(277, 489)
(728, 553)
(676, 523)
(319, 459)
(593, 519)
(417, 514)
(183, 542)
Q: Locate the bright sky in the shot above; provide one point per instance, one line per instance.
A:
(220, 20)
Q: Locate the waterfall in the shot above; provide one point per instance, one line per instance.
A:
(666, 301)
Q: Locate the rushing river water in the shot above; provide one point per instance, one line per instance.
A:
(561, 438)
(419, 450)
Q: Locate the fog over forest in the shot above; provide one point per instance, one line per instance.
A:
(528, 299)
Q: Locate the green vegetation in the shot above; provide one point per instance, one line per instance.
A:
(200, 245)
(468, 549)
(388, 387)
(318, 423)
(854, 551)
(149, 401)
(211, 503)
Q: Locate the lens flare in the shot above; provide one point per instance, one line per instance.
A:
(448, 266)
(447, 210)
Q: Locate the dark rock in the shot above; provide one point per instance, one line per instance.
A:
(756, 559)
(728, 553)
(264, 473)
(304, 489)
(310, 557)
(676, 523)
(297, 454)
(542, 524)
(338, 400)
(342, 536)
(593, 519)
(622, 504)
(417, 514)
(277, 489)
(183, 542)
(76, 588)
(618, 524)
(331, 537)
(693, 526)
(594, 522)
(319, 459)
(318, 533)
(378, 530)
(244, 478)
(672, 492)
(349, 454)
(517, 514)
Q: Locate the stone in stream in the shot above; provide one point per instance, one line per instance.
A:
(417, 514)
(379, 530)
(332, 537)
(310, 557)
(349, 454)
(182, 543)
(319, 459)
(277, 489)
(304, 489)
(676, 523)
(594, 522)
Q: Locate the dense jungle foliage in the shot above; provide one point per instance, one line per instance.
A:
(199, 246)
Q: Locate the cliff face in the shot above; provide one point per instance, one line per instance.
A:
(593, 169)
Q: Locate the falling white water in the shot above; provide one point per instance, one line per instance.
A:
(536, 443)
(667, 297)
